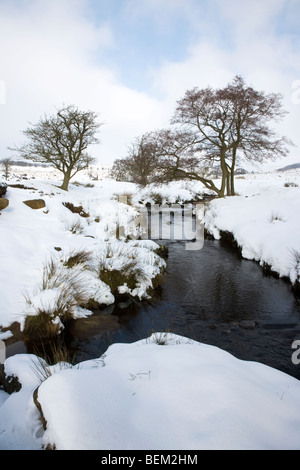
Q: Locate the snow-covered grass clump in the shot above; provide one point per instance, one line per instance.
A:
(72, 284)
(174, 394)
(36, 245)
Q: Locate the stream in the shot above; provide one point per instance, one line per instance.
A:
(212, 296)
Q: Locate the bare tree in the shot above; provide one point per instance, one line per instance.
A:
(224, 125)
(6, 165)
(140, 165)
(62, 141)
(179, 157)
(120, 170)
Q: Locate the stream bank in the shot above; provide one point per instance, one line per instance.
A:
(212, 296)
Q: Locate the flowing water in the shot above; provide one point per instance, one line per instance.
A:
(212, 296)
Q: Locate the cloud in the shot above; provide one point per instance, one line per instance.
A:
(250, 17)
(56, 52)
(48, 51)
(268, 60)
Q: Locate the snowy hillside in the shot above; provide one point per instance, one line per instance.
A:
(165, 392)
(264, 219)
(86, 219)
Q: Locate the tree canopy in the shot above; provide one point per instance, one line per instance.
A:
(213, 130)
(62, 140)
(141, 162)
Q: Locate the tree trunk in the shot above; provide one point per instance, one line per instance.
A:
(232, 171)
(224, 174)
(228, 184)
(66, 181)
(232, 182)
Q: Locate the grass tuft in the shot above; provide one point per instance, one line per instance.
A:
(78, 258)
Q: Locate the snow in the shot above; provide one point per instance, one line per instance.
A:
(177, 192)
(264, 220)
(29, 239)
(180, 395)
(177, 395)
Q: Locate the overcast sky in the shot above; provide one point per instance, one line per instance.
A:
(131, 60)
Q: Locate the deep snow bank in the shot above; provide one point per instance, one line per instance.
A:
(264, 220)
(165, 392)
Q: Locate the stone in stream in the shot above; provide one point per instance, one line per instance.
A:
(247, 325)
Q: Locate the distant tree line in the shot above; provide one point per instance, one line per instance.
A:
(6, 165)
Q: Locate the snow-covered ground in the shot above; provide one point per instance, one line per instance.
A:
(264, 220)
(31, 238)
(163, 393)
(183, 395)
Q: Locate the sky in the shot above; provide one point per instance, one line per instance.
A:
(130, 61)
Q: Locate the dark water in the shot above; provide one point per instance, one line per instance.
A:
(206, 296)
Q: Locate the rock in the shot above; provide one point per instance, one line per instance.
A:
(35, 204)
(4, 203)
(10, 384)
(247, 324)
(3, 188)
